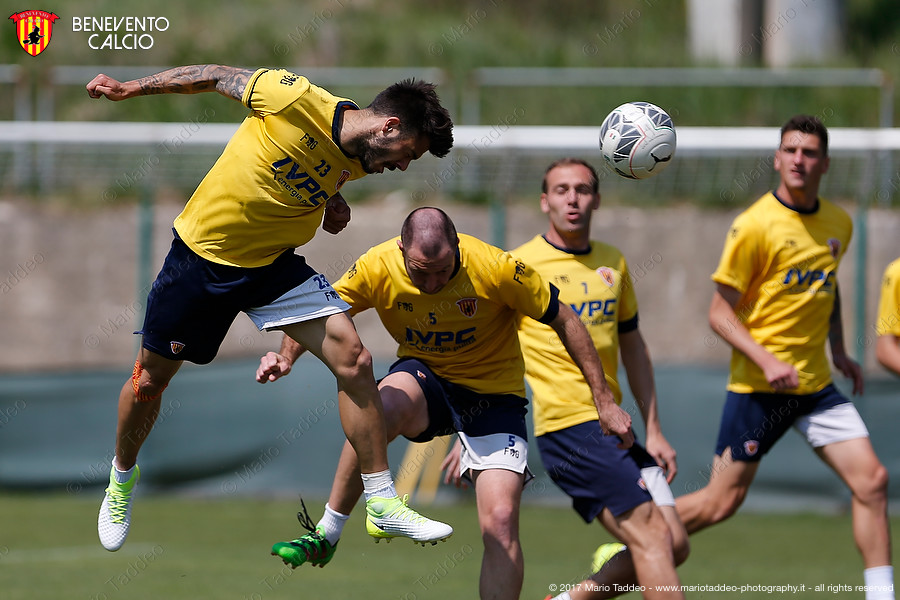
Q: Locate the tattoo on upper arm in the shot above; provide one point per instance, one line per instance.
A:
(180, 80)
(233, 82)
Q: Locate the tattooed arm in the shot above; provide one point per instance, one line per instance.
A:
(228, 81)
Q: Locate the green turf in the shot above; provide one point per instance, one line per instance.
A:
(192, 548)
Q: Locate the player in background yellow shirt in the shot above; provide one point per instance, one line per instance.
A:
(777, 303)
(452, 302)
(275, 183)
(626, 490)
(887, 347)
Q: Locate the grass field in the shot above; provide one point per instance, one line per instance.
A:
(193, 548)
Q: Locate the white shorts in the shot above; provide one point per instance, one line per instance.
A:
(313, 299)
(836, 424)
(494, 451)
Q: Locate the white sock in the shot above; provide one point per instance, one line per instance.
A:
(379, 484)
(879, 583)
(332, 524)
(563, 596)
(122, 476)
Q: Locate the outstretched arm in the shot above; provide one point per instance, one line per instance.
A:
(577, 340)
(193, 79)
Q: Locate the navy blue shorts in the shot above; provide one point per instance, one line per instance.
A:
(593, 471)
(453, 408)
(752, 423)
(193, 301)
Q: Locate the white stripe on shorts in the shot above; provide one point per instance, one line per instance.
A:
(312, 299)
(836, 424)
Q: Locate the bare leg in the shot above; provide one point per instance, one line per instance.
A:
(136, 417)
(856, 463)
(139, 403)
(335, 342)
(728, 484)
(498, 493)
(620, 570)
(405, 413)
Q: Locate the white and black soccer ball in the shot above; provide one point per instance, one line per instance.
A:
(637, 139)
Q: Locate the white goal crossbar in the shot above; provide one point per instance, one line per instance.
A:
(476, 138)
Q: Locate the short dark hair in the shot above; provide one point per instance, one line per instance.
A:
(429, 228)
(419, 109)
(809, 125)
(562, 162)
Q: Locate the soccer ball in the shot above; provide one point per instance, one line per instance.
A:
(637, 139)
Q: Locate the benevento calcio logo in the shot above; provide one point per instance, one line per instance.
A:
(33, 29)
(468, 306)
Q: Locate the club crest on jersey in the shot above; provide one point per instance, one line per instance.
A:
(467, 306)
(421, 375)
(176, 347)
(607, 274)
(345, 175)
(642, 484)
(834, 245)
(33, 29)
(751, 447)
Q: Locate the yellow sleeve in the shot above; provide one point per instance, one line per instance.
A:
(522, 288)
(353, 286)
(271, 90)
(740, 255)
(888, 322)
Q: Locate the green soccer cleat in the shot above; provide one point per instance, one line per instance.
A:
(310, 547)
(604, 553)
(114, 519)
(387, 518)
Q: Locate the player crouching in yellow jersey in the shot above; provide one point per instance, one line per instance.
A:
(452, 302)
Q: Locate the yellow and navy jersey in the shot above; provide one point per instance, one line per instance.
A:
(597, 285)
(466, 332)
(784, 262)
(888, 322)
(267, 191)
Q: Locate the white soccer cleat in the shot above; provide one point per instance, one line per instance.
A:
(115, 511)
(387, 518)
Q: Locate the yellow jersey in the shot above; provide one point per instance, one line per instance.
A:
(598, 287)
(784, 262)
(266, 193)
(466, 332)
(888, 322)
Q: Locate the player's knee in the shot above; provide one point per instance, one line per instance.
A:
(653, 534)
(356, 363)
(726, 505)
(401, 415)
(873, 487)
(498, 525)
(718, 505)
(146, 386)
(652, 546)
(681, 547)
